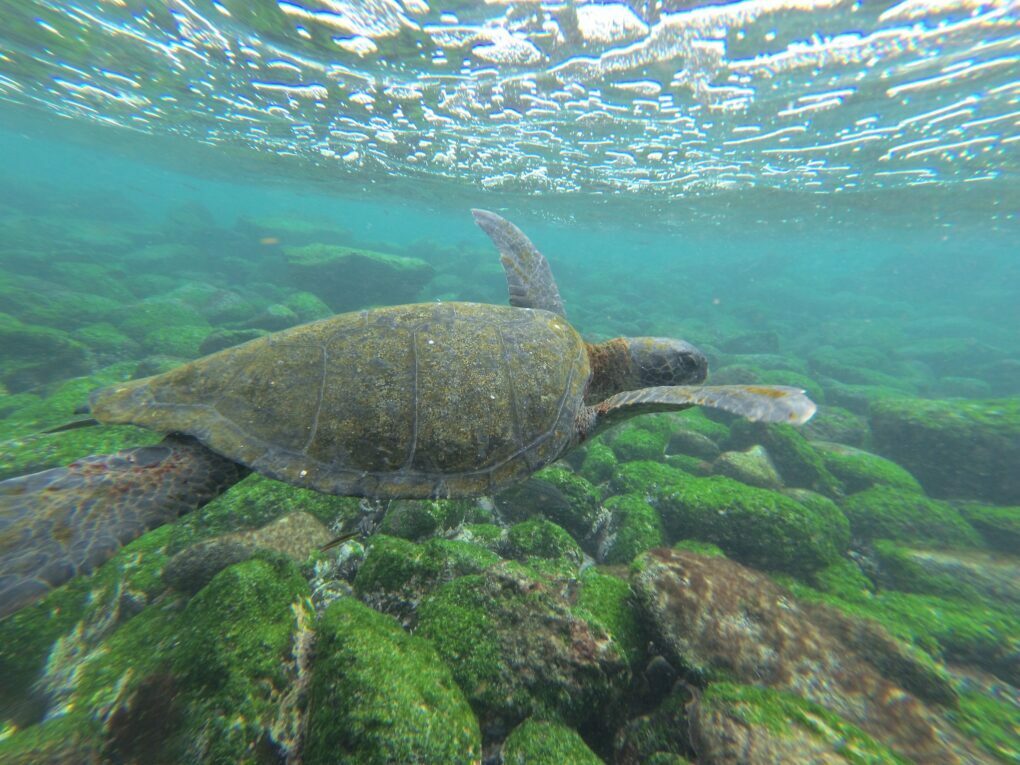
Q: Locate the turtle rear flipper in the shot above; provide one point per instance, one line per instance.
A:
(59, 523)
(761, 403)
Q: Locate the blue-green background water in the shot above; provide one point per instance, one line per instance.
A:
(897, 271)
(823, 195)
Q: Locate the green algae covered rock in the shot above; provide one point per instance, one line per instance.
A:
(379, 695)
(44, 643)
(605, 601)
(998, 526)
(397, 574)
(835, 424)
(634, 442)
(257, 501)
(797, 461)
(634, 526)
(347, 278)
(957, 448)
(646, 477)
(990, 721)
(209, 682)
(751, 466)
(724, 622)
(158, 315)
(883, 512)
(103, 337)
(761, 726)
(944, 628)
(240, 653)
(661, 736)
(691, 443)
(697, 421)
(537, 741)
(417, 519)
(558, 494)
(845, 580)
(35, 355)
(40, 451)
(860, 470)
(757, 526)
(954, 630)
(599, 462)
(517, 650)
(539, 538)
(972, 575)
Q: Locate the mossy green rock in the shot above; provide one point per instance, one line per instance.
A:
(948, 629)
(761, 726)
(883, 512)
(379, 695)
(534, 742)
(798, 462)
(237, 643)
(973, 575)
(957, 448)
(347, 278)
(752, 466)
(558, 494)
(417, 519)
(723, 622)
(103, 337)
(998, 526)
(208, 682)
(991, 722)
(637, 443)
(517, 650)
(539, 538)
(599, 463)
(634, 526)
(397, 574)
(860, 470)
(257, 501)
(158, 316)
(760, 527)
(661, 736)
(697, 421)
(835, 424)
(65, 740)
(646, 477)
(34, 355)
(40, 451)
(605, 601)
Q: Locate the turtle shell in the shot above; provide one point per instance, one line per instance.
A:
(430, 400)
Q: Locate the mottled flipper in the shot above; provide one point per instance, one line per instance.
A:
(528, 276)
(762, 403)
(64, 522)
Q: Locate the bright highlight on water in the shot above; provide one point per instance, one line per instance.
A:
(658, 98)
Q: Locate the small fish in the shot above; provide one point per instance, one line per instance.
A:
(269, 240)
(339, 541)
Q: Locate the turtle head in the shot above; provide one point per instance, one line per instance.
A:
(629, 363)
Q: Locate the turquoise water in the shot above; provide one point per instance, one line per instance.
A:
(820, 195)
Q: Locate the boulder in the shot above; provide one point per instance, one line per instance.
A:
(347, 278)
(957, 448)
(721, 621)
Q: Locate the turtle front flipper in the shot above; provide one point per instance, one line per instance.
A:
(761, 403)
(528, 276)
(64, 522)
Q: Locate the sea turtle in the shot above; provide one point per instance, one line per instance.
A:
(411, 401)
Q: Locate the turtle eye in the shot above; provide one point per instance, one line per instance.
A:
(666, 361)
